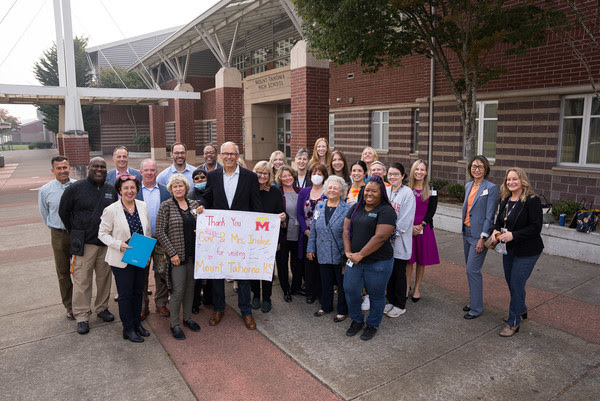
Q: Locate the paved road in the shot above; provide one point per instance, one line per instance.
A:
(431, 352)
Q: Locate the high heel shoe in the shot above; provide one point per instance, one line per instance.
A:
(523, 317)
(141, 331)
(509, 331)
(132, 336)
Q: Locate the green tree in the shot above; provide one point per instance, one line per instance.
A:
(46, 72)
(458, 34)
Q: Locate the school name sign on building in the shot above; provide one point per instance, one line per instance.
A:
(236, 245)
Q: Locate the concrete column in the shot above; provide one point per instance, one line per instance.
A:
(229, 99)
(184, 126)
(158, 141)
(309, 97)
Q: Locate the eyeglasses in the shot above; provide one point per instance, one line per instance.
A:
(474, 167)
(127, 177)
(179, 153)
(394, 174)
(210, 153)
(229, 154)
(262, 173)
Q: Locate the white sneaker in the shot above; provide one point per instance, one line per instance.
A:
(366, 304)
(388, 308)
(395, 312)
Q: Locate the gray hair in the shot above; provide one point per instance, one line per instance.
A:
(378, 162)
(303, 152)
(339, 180)
(147, 161)
(237, 149)
(177, 178)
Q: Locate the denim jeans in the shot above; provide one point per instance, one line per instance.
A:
(218, 292)
(374, 277)
(516, 271)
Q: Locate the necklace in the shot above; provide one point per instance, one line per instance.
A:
(129, 209)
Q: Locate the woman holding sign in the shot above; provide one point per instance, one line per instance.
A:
(272, 203)
(119, 222)
(175, 230)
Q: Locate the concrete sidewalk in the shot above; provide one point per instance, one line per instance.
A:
(430, 352)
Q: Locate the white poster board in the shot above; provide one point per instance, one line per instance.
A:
(236, 245)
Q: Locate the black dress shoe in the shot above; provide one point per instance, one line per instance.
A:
(190, 324)
(287, 297)
(141, 331)
(466, 308)
(132, 336)
(177, 333)
(83, 327)
(310, 300)
(468, 316)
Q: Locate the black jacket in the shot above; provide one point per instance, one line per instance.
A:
(247, 196)
(525, 224)
(81, 207)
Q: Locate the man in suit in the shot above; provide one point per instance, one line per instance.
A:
(121, 159)
(232, 188)
(153, 194)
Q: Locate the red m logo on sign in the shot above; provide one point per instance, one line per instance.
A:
(262, 223)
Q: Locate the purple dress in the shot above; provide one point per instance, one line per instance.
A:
(424, 247)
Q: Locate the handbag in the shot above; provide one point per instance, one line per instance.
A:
(548, 218)
(77, 242)
(160, 260)
(587, 220)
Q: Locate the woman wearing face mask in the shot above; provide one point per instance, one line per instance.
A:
(358, 170)
(307, 202)
(272, 203)
(321, 153)
(202, 288)
(339, 166)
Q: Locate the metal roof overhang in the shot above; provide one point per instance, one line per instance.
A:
(29, 94)
(219, 22)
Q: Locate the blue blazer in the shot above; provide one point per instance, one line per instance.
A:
(164, 193)
(111, 176)
(325, 240)
(483, 209)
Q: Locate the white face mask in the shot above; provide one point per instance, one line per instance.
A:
(316, 179)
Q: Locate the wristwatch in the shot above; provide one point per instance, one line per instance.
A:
(423, 224)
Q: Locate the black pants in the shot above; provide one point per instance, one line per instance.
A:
(130, 285)
(267, 289)
(396, 288)
(288, 254)
(330, 274)
(312, 276)
(202, 293)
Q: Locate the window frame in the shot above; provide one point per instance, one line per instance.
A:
(481, 124)
(381, 124)
(585, 130)
(415, 133)
(331, 130)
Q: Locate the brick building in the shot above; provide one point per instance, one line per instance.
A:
(261, 87)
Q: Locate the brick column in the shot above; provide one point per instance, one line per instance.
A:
(77, 149)
(309, 98)
(229, 99)
(158, 141)
(184, 126)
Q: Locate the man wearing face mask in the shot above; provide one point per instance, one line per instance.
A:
(153, 194)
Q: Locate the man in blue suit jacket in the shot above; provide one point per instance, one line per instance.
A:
(153, 194)
(121, 159)
(232, 188)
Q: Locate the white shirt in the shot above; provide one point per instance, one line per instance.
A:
(230, 183)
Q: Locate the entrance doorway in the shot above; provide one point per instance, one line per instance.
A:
(284, 129)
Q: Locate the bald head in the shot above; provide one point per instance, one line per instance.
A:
(97, 170)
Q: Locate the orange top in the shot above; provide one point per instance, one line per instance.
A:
(470, 204)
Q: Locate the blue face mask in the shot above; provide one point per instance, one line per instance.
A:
(200, 186)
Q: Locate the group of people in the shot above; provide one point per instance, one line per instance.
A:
(355, 230)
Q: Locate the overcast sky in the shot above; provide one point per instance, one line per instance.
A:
(28, 30)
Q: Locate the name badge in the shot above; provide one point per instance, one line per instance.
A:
(433, 192)
(484, 193)
(108, 196)
(372, 215)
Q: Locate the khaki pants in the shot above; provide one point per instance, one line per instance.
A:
(61, 241)
(83, 271)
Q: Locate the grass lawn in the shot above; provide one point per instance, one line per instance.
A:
(15, 147)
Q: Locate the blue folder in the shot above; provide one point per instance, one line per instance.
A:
(140, 251)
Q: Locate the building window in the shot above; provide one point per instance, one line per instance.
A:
(415, 137)
(331, 129)
(239, 62)
(486, 129)
(283, 48)
(209, 130)
(380, 129)
(580, 131)
(259, 60)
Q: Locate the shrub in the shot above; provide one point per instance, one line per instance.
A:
(457, 191)
(438, 184)
(565, 206)
(142, 141)
(40, 145)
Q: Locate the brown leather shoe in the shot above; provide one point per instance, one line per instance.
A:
(215, 318)
(144, 314)
(163, 310)
(250, 323)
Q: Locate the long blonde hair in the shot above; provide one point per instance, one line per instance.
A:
(527, 191)
(412, 181)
